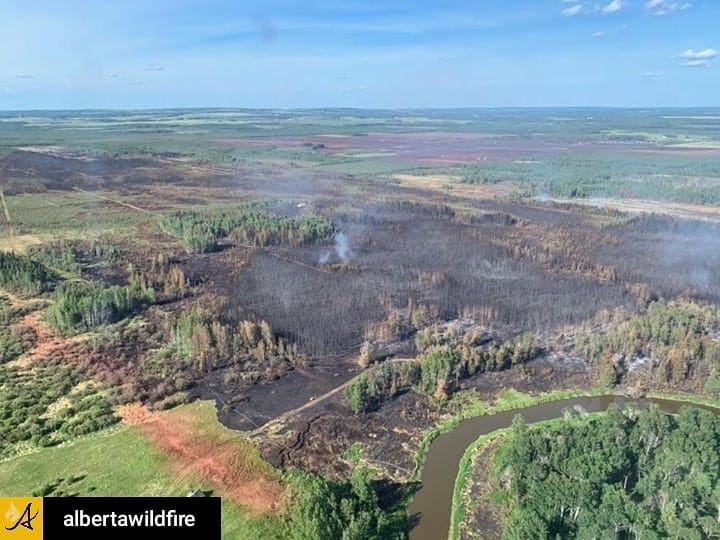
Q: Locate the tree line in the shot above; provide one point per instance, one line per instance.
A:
(249, 224)
(438, 370)
(345, 510)
(80, 306)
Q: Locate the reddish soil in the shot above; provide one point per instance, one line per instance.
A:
(134, 414)
(48, 343)
(216, 459)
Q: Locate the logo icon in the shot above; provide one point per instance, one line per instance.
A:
(21, 518)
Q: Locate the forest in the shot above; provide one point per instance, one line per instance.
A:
(628, 474)
(354, 509)
(670, 343)
(250, 224)
(23, 274)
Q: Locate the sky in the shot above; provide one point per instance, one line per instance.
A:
(75, 54)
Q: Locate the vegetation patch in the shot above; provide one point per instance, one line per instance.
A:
(439, 370)
(672, 343)
(635, 473)
(81, 306)
(351, 509)
(14, 341)
(22, 274)
(252, 223)
(46, 404)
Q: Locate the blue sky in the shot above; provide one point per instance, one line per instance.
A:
(365, 53)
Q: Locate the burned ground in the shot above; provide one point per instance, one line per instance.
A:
(678, 257)
(398, 257)
(390, 435)
(24, 171)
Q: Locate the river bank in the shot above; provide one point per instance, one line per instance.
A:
(445, 450)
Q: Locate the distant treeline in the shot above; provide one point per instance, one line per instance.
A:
(628, 474)
(250, 224)
(608, 174)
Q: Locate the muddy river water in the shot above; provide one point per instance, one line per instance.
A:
(432, 503)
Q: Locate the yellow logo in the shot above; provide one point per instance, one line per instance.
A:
(21, 518)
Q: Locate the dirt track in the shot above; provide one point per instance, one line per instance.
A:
(674, 209)
(288, 416)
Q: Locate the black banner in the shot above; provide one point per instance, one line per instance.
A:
(136, 518)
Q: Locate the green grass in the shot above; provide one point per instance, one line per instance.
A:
(355, 453)
(63, 214)
(119, 462)
(687, 398)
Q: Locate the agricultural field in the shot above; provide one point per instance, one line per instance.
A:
(285, 308)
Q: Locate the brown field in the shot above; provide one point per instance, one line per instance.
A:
(450, 185)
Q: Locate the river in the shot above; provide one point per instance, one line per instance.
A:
(433, 501)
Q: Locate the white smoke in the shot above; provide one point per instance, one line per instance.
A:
(341, 248)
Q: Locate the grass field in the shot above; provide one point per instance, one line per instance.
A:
(121, 462)
(67, 215)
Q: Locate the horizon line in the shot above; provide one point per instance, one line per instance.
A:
(384, 109)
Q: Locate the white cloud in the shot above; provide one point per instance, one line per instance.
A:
(573, 10)
(652, 75)
(599, 34)
(26, 76)
(706, 54)
(700, 58)
(664, 7)
(696, 63)
(613, 7)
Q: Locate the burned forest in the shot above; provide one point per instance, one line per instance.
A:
(290, 317)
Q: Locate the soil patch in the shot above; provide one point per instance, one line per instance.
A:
(223, 460)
